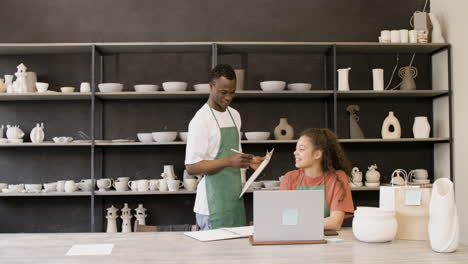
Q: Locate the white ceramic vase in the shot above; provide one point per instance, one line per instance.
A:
(378, 80)
(443, 217)
(374, 225)
(37, 134)
(421, 127)
(389, 121)
(240, 76)
(436, 29)
(343, 79)
(284, 131)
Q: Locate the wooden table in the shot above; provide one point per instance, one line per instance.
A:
(178, 248)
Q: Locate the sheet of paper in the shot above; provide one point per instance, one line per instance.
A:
(211, 235)
(243, 231)
(90, 250)
(257, 172)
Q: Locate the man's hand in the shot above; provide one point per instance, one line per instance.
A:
(256, 161)
(240, 160)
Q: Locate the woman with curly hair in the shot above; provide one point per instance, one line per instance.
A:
(322, 164)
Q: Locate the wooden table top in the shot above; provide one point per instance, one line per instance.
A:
(174, 247)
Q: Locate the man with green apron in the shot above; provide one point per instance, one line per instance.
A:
(213, 132)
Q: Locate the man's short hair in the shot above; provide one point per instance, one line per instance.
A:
(222, 70)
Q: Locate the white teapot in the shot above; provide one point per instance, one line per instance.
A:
(373, 175)
(37, 134)
(14, 132)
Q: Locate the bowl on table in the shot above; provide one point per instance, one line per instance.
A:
(257, 135)
(162, 137)
(299, 86)
(272, 85)
(67, 89)
(145, 88)
(110, 87)
(202, 87)
(145, 137)
(174, 86)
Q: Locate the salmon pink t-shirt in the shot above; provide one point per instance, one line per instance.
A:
(333, 189)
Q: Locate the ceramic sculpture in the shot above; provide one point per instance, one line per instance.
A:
(126, 219)
(37, 134)
(111, 219)
(355, 130)
(391, 121)
(284, 131)
(21, 83)
(140, 214)
(421, 127)
(407, 75)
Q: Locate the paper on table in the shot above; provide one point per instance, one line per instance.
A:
(221, 234)
(257, 172)
(90, 249)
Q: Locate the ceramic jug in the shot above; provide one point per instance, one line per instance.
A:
(391, 121)
(421, 127)
(169, 171)
(14, 132)
(37, 134)
(284, 131)
(343, 83)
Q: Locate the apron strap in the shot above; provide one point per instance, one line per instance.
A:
(234, 122)
(302, 178)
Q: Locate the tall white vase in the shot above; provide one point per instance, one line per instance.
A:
(436, 29)
(421, 127)
(343, 79)
(389, 121)
(378, 80)
(240, 75)
(443, 217)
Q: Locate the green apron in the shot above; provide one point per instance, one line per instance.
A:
(224, 187)
(326, 211)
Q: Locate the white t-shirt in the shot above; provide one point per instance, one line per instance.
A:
(203, 144)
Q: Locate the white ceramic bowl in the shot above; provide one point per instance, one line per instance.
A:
(372, 224)
(174, 86)
(145, 137)
(183, 136)
(202, 87)
(67, 89)
(33, 187)
(144, 88)
(256, 185)
(257, 135)
(162, 137)
(272, 85)
(62, 140)
(42, 87)
(299, 86)
(110, 87)
(271, 184)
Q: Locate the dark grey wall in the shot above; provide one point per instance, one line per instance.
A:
(202, 20)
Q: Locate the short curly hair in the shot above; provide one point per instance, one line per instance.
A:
(222, 70)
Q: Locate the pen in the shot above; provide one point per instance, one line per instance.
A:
(236, 151)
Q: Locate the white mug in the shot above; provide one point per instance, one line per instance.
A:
(85, 87)
(143, 185)
(86, 185)
(104, 184)
(395, 36)
(163, 185)
(413, 36)
(385, 36)
(120, 186)
(133, 185)
(50, 187)
(174, 185)
(187, 175)
(123, 179)
(403, 35)
(419, 174)
(70, 186)
(60, 186)
(3, 186)
(153, 185)
(190, 184)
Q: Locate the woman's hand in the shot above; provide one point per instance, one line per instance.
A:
(255, 162)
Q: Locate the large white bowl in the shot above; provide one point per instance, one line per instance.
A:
(272, 85)
(299, 86)
(174, 86)
(145, 137)
(144, 88)
(162, 137)
(257, 135)
(183, 136)
(372, 224)
(110, 87)
(202, 87)
(271, 184)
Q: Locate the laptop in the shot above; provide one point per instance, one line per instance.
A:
(288, 215)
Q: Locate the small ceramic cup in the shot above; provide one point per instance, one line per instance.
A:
(42, 87)
(174, 185)
(85, 87)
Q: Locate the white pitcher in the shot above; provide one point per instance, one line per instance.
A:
(343, 83)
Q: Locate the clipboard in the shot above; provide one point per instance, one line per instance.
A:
(257, 172)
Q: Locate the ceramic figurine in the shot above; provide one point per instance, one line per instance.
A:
(391, 121)
(14, 132)
(140, 214)
(343, 83)
(356, 177)
(3, 87)
(407, 75)
(126, 219)
(421, 127)
(111, 219)
(372, 174)
(21, 83)
(284, 131)
(9, 83)
(354, 130)
(37, 134)
(443, 217)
